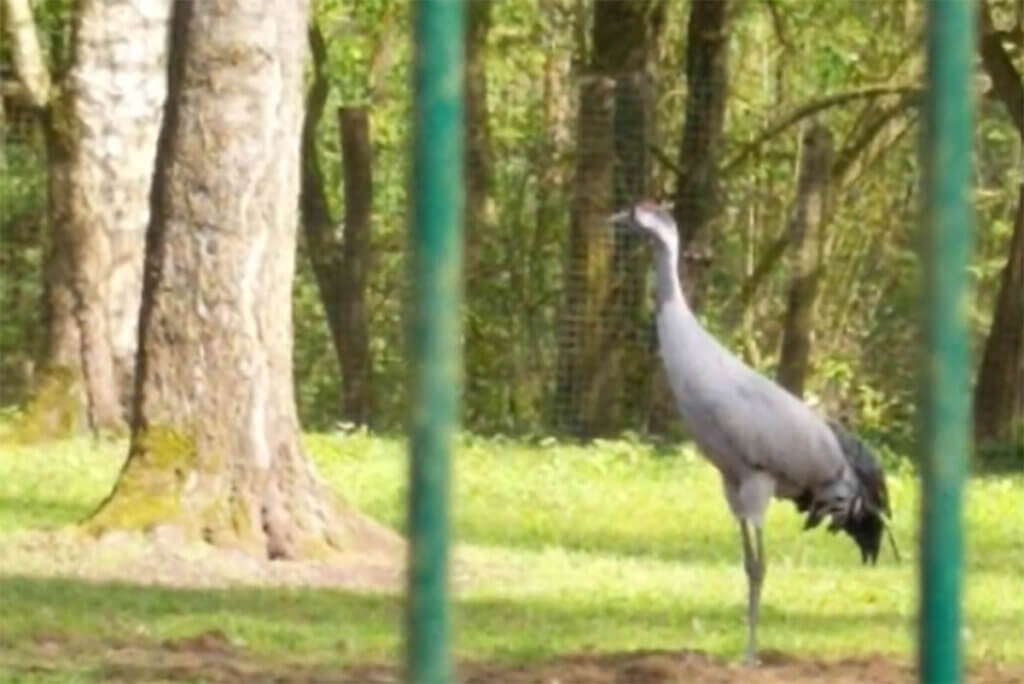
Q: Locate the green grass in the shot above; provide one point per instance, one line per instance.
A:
(610, 547)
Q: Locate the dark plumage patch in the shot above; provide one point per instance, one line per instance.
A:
(863, 516)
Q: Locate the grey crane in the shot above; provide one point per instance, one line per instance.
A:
(763, 440)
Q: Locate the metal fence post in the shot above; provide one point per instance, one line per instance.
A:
(436, 243)
(944, 440)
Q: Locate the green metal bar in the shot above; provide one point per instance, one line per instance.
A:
(944, 441)
(436, 242)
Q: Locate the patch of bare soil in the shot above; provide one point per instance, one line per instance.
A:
(671, 667)
(210, 657)
(167, 560)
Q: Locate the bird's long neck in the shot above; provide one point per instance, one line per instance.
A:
(666, 275)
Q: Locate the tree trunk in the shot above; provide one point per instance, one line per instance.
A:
(123, 44)
(696, 200)
(58, 403)
(1000, 67)
(341, 259)
(27, 54)
(806, 235)
(479, 219)
(999, 392)
(354, 344)
(215, 450)
(586, 280)
(604, 284)
(479, 209)
(696, 196)
(627, 368)
(101, 141)
(323, 241)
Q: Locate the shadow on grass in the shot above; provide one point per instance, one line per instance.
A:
(69, 630)
(340, 625)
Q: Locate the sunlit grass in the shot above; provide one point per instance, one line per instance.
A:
(615, 546)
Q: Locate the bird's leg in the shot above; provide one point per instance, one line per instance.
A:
(753, 563)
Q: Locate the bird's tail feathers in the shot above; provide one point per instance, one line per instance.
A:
(862, 513)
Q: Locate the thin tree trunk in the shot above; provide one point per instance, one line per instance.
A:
(628, 368)
(999, 392)
(354, 340)
(101, 141)
(117, 86)
(696, 200)
(323, 242)
(696, 196)
(341, 259)
(586, 279)
(58, 402)
(215, 450)
(479, 218)
(603, 281)
(999, 65)
(806, 234)
(29, 64)
(479, 209)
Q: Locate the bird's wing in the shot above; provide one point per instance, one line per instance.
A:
(770, 429)
(740, 418)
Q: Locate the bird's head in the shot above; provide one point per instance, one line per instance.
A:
(652, 220)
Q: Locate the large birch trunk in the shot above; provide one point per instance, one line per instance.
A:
(215, 449)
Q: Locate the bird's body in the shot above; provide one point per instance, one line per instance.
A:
(763, 440)
(746, 425)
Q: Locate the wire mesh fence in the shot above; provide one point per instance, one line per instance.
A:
(783, 133)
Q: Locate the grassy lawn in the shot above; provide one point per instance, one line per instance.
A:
(605, 548)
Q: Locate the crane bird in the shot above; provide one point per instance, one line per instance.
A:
(763, 440)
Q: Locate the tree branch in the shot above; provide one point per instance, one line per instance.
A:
(765, 265)
(29, 64)
(779, 26)
(879, 133)
(316, 213)
(381, 53)
(876, 133)
(810, 109)
(663, 158)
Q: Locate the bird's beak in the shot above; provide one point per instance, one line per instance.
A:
(621, 218)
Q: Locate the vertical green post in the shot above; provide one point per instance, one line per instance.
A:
(946, 383)
(436, 243)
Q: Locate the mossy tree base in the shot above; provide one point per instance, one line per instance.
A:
(282, 511)
(215, 446)
(56, 409)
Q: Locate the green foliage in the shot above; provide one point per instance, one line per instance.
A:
(22, 226)
(560, 547)
(1005, 455)
(782, 55)
(313, 358)
(53, 412)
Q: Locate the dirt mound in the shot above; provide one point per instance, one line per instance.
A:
(210, 662)
(212, 657)
(671, 667)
